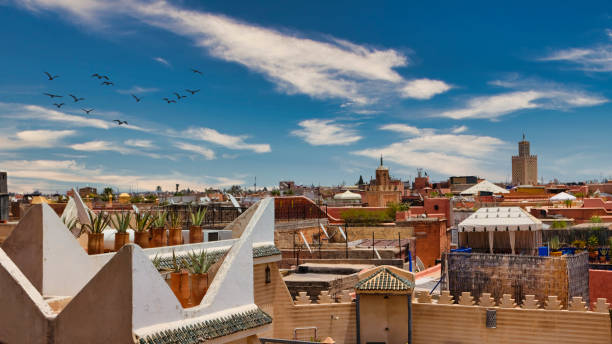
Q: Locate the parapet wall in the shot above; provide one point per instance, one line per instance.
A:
(465, 322)
(516, 275)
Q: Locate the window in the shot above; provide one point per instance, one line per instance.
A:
(268, 279)
(436, 207)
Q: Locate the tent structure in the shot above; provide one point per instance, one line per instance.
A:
(563, 196)
(502, 225)
(485, 186)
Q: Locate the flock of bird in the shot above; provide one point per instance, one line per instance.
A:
(108, 82)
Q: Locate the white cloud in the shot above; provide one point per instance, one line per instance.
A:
(52, 175)
(319, 132)
(447, 154)
(140, 143)
(138, 90)
(209, 154)
(162, 61)
(225, 140)
(98, 146)
(502, 104)
(405, 129)
(459, 130)
(424, 88)
(324, 68)
(33, 139)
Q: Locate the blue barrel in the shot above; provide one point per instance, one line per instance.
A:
(542, 251)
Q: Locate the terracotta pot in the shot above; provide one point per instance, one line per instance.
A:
(176, 236)
(141, 239)
(158, 234)
(121, 239)
(199, 286)
(95, 243)
(195, 234)
(179, 283)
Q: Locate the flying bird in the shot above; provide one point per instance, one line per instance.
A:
(136, 98)
(192, 91)
(196, 71)
(170, 100)
(96, 75)
(76, 99)
(120, 122)
(51, 77)
(58, 105)
(52, 95)
(178, 96)
(107, 83)
(87, 111)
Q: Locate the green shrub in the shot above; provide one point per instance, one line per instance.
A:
(363, 216)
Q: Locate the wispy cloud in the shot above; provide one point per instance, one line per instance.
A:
(209, 154)
(98, 146)
(321, 68)
(597, 58)
(225, 140)
(138, 90)
(52, 175)
(459, 130)
(525, 94)
(424, 88)
(140, 143)
(446, 154)
(33, 139)
(162, 61)
(406, 129)
(320, 132)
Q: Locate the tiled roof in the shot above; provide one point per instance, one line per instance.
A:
(165, 263)
(384, 280)
(209, 329)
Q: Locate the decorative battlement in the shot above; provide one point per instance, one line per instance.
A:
(324, 298)
(552, 303)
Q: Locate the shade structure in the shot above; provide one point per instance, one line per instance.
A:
(563, 196)
(500, 219)
(484, 186)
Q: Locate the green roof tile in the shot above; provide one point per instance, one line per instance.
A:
(384, 280)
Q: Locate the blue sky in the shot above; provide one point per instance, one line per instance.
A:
(313, 92)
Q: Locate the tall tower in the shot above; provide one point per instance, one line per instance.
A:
(382, 175)
(524, 165)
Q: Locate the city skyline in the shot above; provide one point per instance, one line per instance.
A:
(313, 93)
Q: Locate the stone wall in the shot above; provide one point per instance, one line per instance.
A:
(446, 322)
(516, 275)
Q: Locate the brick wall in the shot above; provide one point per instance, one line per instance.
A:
(516, 275)
(431, 239)
(600, 284)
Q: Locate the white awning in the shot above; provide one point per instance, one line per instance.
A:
(563, 196)
(485, 186)
(500, 219)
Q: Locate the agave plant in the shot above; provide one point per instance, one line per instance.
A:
(157, 262)
(176, 219)
(97, 224)
(555, 243)
(197, 217)
(159, 220)
(121, 221)
(143, 221)
(199, 263)
(176, 265)
(70, 223)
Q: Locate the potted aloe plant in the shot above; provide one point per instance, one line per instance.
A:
(199, 264)
(592, 243)
(179, 281)
(121, 222)
(176, 228)
(95, 227)
(555, 244)
(141, 235)
(158, 229)
(195, 231)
